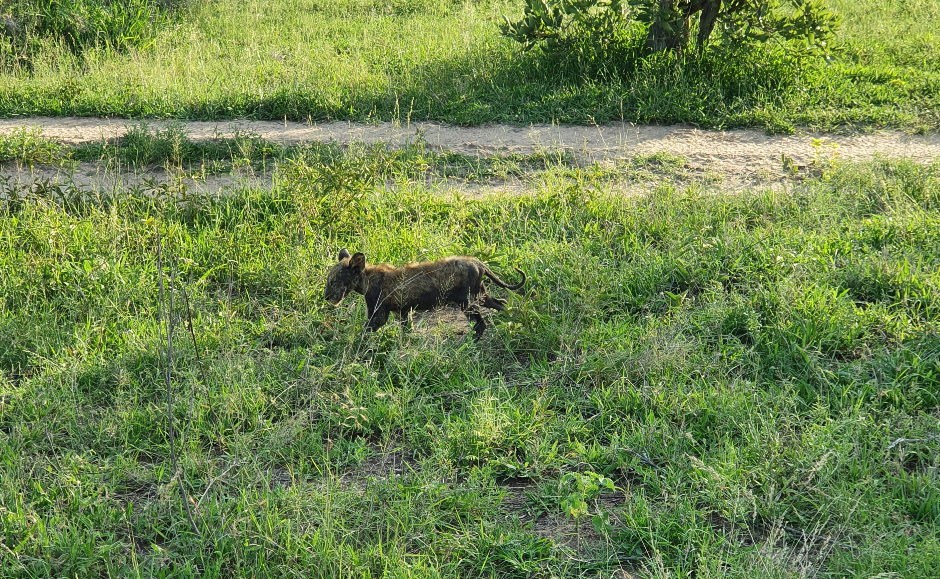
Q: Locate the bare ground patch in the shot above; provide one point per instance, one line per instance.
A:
(734, 156)
(95, 178)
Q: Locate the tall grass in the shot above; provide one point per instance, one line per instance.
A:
(414, 59)
(32, 26)
(738, 366)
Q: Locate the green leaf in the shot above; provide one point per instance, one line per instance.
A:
(601, 523)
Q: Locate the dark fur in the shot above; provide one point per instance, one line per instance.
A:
(455, 281)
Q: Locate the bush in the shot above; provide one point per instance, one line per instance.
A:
(805, 26)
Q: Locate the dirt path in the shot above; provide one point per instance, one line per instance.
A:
(737, 155)
(725, 150)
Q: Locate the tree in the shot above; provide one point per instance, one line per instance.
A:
(802, 25)
(670, 21)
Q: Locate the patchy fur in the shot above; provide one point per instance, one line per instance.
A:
(417, 286)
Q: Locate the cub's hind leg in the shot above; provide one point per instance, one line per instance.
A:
(473, 314)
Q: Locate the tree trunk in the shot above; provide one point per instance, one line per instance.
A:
(663, 36)
(706, 23)
(674, 35)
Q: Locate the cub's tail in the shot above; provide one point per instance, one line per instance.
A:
(501, 283)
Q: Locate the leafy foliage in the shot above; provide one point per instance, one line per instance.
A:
(557, 23)
(26, 145)
(805, 25)
(577, 489)
(809, 26)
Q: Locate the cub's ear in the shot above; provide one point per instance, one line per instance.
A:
(343, 254)
(357, 262)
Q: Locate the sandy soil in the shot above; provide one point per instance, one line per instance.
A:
(95, 178)
(735, 155)
(731, 150)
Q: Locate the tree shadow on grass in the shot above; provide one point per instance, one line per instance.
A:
(712, 90)
(490, 84)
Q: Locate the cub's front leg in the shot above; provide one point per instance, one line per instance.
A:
(378, 315)
(377, 319)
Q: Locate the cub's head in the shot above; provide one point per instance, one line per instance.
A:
(344, 277)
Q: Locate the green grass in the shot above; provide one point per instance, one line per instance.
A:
(737, 365)
(426, 59)
(145, 148)
(28, 146)
(28, 25)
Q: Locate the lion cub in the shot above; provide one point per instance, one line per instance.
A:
(417, 286)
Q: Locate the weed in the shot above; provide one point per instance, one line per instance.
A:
(26, 145)
(579, 488)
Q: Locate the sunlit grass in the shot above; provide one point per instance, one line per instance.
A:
(417, 59)
(737, 365)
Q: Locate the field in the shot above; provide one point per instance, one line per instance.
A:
(693, 383)
(445, 60)
(713, 371)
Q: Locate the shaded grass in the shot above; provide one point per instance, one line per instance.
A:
(417, 60)
(738, 365)
(31, 25)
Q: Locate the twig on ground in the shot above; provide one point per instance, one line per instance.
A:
(815, 537)
(212, 482)
(452, 394)
(569, 553)
(167, 315)
(644, 458)
(898, 441)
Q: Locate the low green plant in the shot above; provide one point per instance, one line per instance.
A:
(27, 145)
(576, 490)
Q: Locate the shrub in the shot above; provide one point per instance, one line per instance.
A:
(806, 26)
